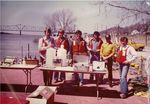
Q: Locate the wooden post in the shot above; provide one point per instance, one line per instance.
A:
(20, 32)
(28, 50)
(22, 52)
(146, 39)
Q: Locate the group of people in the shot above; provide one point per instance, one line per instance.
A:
(98, 51)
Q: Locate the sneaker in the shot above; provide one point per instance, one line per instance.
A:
(62, 81)
(80, 84)
(123, 96)
(55, 81)
(110, 85)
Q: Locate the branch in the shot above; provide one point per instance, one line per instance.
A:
(130, 9)
(127, 17)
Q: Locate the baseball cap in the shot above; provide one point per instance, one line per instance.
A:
(107, 36)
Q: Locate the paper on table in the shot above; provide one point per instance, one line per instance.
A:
(98, 65)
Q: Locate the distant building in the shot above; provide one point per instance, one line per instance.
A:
(135, 32)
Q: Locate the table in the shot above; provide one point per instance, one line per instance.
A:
(69, 69)
(26, 69)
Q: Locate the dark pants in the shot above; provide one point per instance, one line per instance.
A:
(47, 76)
(62, 76)
(109, 68)
(94, 57)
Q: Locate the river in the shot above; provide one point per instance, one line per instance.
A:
(17, 45)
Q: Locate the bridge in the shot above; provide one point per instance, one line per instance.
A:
(20, 28)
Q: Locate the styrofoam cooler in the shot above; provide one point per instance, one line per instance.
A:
(50, 55)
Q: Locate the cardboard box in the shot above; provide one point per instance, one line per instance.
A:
(42, 95)
(32, 62)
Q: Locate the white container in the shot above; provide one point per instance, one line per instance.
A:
(50, 55)
(65, 62)
(62, 54)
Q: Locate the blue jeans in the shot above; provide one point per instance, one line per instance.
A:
(81, 77)
(123, 78)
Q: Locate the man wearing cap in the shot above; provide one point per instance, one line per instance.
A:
(107, 51)
(59, 42)
(44, 43)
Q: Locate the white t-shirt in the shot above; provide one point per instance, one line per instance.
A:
(131, 53)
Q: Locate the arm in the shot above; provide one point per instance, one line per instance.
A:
(113, 49)
(112, 53)
(52, 43)
(41, 47)
(66, 45)
(100, 45)
(89, 45)
(132, 56)
(101, 51)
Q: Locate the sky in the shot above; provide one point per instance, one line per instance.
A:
(88, 17)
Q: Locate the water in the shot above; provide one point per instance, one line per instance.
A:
(17, 45)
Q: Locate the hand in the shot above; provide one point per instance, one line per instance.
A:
(52, 45)
(48, 46)
(106, 61)
(92, 53)
(126, 62)
(104, 58)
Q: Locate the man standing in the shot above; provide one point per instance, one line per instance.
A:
(125, 55)
(79, 47)
(61, 41)
(107, 51)
(44, 43)
(94, 48)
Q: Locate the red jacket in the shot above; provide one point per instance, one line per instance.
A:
(79, 47)
(98, 46)
(64, 42)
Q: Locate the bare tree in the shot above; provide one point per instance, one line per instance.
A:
(50, 22)
(140, 10)
(61, 19)
(136, 11)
